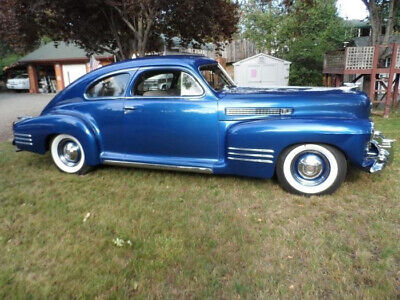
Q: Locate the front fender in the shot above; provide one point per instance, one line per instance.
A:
(43, 127)
(350, 136)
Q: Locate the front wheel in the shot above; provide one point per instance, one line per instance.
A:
(311, 169)
(68, 154)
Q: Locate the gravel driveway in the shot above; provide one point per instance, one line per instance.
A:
(13, 105)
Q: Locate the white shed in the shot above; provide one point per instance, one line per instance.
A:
(262, 70)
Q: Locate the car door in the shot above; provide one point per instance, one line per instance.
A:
(170, 118)
(103, 107)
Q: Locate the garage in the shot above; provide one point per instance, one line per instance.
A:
(55, 65)
(262, 70)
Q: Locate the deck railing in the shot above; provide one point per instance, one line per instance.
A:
(334, 60)
(358, 58)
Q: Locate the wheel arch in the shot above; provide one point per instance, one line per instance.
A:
(327, 144)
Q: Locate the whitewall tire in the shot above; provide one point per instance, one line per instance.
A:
(311, 169)
(68, 154)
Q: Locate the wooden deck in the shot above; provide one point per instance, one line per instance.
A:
(371, 61)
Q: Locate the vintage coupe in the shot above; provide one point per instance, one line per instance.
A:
(185, 113)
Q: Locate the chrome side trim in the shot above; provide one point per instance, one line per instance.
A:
(251, 154)
(23, 139)
(23, 135)
(23, 143)
(264, 111)
(158, 166)
(252, 149)
(265, 161)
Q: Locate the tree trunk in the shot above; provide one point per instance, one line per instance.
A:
(393, 7)
(377, 17)
(376, 21)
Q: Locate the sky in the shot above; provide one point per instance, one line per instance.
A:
(352, 9)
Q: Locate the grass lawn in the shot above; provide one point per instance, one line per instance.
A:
(194, 236)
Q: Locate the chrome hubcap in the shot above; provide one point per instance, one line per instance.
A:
(310, 166)
(69, 153)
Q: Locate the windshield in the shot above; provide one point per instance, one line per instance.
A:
(217, 78)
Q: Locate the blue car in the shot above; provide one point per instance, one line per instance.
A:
(185, 113)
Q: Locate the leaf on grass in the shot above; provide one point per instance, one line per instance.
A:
(86, 217)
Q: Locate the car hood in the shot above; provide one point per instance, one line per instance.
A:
(302, 101)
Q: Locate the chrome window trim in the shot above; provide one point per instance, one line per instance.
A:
(181, 68)
(158, 166)
(98, 79)
(252, 149)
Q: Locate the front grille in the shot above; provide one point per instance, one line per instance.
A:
(258, 111)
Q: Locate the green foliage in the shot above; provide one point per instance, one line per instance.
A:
(300, 32)
(7, 57)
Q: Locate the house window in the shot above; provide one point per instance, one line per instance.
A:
(166, 83)
(112, 86)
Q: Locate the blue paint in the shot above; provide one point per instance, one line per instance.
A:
(197, 131)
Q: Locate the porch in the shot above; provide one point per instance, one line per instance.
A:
(378, 66)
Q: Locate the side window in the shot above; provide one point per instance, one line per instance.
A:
(189, 86)
(113, 86)
(166, 83)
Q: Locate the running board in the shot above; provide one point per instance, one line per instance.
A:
(158, 166)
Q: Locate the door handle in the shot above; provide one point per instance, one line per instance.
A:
(127, 108)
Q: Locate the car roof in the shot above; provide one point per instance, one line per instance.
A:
(193, 61)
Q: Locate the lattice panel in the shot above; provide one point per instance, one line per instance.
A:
(398, 59)
(359, 58)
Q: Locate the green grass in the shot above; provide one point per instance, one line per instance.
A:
(194, 236)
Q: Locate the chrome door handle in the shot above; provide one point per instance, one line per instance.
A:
(126, 108)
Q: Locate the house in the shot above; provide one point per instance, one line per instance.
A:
(262, 70)
(58, 62)
(375, 68)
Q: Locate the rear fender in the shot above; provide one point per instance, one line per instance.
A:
(42, 128)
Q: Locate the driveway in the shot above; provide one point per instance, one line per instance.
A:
(13, 105)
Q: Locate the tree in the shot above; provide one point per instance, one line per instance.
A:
(382, 13)
(127, 27)
(298, 31)
(11, 33)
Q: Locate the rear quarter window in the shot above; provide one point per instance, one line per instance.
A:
(111, 86)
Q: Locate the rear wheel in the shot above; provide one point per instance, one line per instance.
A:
(68, 154)
(311, 169)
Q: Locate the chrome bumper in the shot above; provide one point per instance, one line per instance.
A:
(381, 151)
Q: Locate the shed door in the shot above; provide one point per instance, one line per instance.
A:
(262, 75)
(72, 73)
